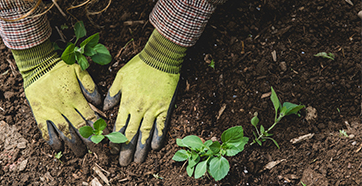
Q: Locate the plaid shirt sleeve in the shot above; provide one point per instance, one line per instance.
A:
(24, 33)
(182, 21)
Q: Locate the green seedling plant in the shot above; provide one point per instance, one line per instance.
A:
(89, 47)
(281, 111)
(343, 133)
(209, 156)
(97, 133)
(58, 156)
(325, 55)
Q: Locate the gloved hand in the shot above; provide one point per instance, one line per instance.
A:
(54, 92)
(146, 88)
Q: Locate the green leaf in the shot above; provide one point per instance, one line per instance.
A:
(262, 130)
(180, 143)
(100, 125)
(91, 41)
(116, 137)
(181, 155)
(103, 56)
(68, 55)
(275, 142)
(218, 167)
(255, 120)
(89, 51)
(208, 143)
(97, 138)
(232, 135)
(274, 98)
(258, 141)
(233, 149)
(292, 108)
(79, 30)
(194, 159)
(86, 131)
(190, 170)
(200, 169)
(82, 61)
(215, 147)
(193, 142)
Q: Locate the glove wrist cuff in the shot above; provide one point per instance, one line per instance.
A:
(163, 54)
(35, 62)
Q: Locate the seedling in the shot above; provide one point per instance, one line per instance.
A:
(96, 133)
(209, 156)
(343, 133)
(58, 156)
(286, 109)
(212, 64)
(89, 47)
(303, 183)
(325, 55)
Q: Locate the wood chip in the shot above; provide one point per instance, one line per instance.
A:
(131, 23)
(359, 148)
(272, 164)
(349, 2)
(301, 138)
(274, 55)
(95, 109)
(22, 165)
(222, 109)
(101, 175)
(265, 95)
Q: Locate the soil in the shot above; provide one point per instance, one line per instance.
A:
(241, 38)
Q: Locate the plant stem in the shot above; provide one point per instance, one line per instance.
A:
(262, 135)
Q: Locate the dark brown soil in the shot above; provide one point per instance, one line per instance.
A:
(240, 38)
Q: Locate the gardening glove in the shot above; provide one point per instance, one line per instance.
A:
(54, 92)
(146, 88)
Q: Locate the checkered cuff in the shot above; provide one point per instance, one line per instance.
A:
(24, 33)
(182, 21)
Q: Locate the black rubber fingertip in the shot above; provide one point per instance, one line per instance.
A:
(110, 101)
(76, 143)
(94, 97)
(142, 149)
(54, 140)
(157, 141)
(127, 152)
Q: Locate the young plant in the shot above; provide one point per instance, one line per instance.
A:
(343, 133)
(58, 156)
(325, 55)
(96, 133)
(209, 156)
(89, 47)
(286, 109)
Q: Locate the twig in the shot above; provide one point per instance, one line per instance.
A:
(60, 10)
(11, 66)
(183, 166)
(102, 169)
(60, 34)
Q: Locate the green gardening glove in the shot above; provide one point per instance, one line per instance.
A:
(146, 88)
(55, 91)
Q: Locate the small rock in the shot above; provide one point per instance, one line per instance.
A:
(213, 138)
(23, 164)
(22, 145)
(95, 182)
(283, 66)
(84, 183)
(360, 14)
